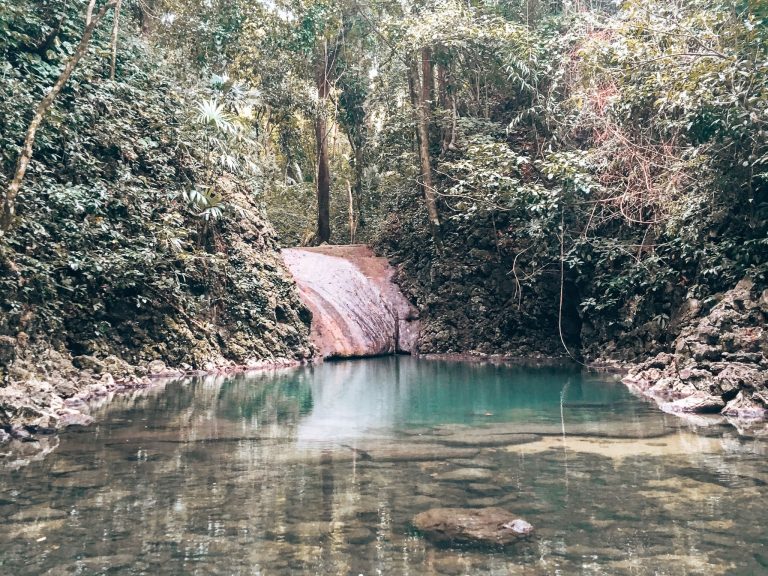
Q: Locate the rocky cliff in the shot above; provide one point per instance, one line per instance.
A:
(719, 360)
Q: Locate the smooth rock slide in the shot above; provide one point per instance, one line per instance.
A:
(357, 310)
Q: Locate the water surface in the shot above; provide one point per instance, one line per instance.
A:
(319, 470)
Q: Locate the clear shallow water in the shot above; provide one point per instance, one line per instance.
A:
(319, 470)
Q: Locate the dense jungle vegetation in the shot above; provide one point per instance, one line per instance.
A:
(542, 173)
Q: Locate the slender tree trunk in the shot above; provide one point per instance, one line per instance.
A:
(356, 143)
(445, 100)
(9, 197)
(352, 214)
(115, 30)
(427, 84)
(422, 136)
(321, 141)
(358, 189)
(89, 12)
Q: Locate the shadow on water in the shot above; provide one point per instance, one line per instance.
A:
(319, 470)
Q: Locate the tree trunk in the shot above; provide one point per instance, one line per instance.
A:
(146, 11)
(422, 136)
(321, 141)
(358, 189)
(89, 12)
(9, 197)
(445, 100)
(352, 215)
(115, 30)
(427, 87)
(49, 41)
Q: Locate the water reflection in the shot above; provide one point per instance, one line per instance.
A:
(319, 470)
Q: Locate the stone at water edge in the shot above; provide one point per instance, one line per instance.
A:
(478, 526)
(742, 407)
(156, 367)
(699, 402)
(69, 417)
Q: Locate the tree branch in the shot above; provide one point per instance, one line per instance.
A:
(9, 198)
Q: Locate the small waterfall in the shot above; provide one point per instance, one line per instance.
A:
(357, 310)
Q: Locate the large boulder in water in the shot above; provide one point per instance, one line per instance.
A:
(475, 526)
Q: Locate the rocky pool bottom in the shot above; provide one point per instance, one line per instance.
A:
(322, 469)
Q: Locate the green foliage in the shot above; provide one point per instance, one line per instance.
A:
(632, 140)
(629, 141)
(139, 232)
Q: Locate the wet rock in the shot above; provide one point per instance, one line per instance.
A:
(310, 530)
(109, 563)
(37, 513)
(80, 480)
(697, 403)
(451, 565)
(118, 367)
(476, 463)
(360, 535)
(22, 434)
(475, 526)
(483, 502)
(482, 438)
(743, 407)
(156, 367)
(97, 391)
(46, 424)
(357, 310)
(86, 362)
(69, 417)
(484, 489)
(107, 380)
(465, 475)
(418, 453)
(30, 531)
(7, 350)
(719, 359)
(423, 501)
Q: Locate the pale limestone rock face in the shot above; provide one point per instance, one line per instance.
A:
(357, 310)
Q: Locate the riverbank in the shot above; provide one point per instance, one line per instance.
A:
(719, 361)
(717, 366)
(56, 390)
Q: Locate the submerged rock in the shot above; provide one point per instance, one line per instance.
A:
(465, 475)
(480, 526)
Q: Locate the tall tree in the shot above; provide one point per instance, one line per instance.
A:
(9, 196)
(321, 142)
(419, 89)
